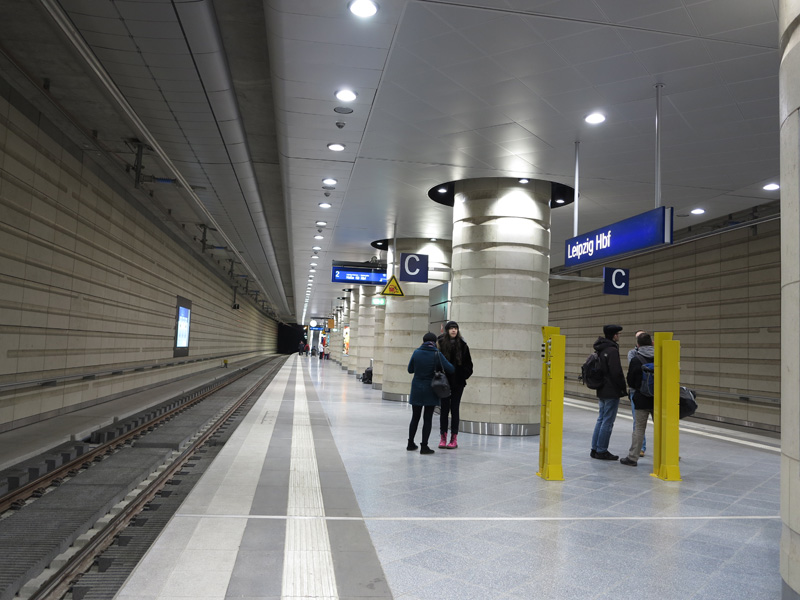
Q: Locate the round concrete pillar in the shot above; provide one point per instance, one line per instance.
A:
(352, 359)
(501, 264)
(407, 317)
(377, 365)
(789, 82)
(366, 327)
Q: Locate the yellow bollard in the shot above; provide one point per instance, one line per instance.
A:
(666, 407)
(551, 428)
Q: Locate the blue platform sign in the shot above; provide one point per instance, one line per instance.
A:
(647, 230)
(616, 281)
(414, 267)
(365, 276)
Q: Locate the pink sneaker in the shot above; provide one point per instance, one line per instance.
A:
(453, 442)
(443, 441)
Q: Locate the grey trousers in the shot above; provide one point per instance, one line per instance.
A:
(638, 433)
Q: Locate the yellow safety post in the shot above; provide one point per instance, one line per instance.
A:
(551, 428)
(666, 407)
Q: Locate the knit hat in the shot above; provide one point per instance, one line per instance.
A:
(450, 325)
(610, 331)
(429, 337)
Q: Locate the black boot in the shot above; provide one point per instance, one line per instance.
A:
(425, 449)
(411, 445)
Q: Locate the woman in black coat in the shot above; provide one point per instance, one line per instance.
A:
(423, 398)
(456, 351)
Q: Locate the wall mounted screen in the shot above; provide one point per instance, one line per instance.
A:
(183, 321)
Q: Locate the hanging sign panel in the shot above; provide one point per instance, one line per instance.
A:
(647, 230)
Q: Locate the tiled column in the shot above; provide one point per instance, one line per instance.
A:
(789, 82)
(336, 340)
(501, 263)
(345, 323)
(366, 327)
(377, 365)
(407, 316)
(352, 360)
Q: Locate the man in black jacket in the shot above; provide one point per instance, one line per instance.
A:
(609, 393)
(643, 402)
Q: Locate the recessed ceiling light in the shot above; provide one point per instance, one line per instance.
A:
(321, 223)
(319, 237)
(314, 256)
(363, 8)
(313, 264)
(329, 181)
(442, 190)
(560, 201)
(379, 243)
(316, 248)
(433, 239)
(595, 118)
(698, 211)
(523, 180)
(336, 147)
(324, 204)
(346, 95)
(312, 271)
(772, 187)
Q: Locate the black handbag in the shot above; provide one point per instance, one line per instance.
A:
(439, 383)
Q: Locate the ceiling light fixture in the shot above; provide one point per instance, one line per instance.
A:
(524, 180)
(379, 243)
(698, 211)
(560, 201)
(346, 95)
(319, 237)
(595, 118)
(312, 270)
(314, 256)
(433, 239)
(336, 147)
(313, 264)
(324, 204)
(442, 190)
(316, 248)
(329, 181)
(363, 8)
(321, 223)
(771, 187)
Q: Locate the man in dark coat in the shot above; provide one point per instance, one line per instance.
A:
(609, 393)
(644, 404)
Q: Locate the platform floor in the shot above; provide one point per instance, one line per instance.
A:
(315, 496)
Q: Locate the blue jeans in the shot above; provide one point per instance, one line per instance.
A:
(605, 423)
(633, 412)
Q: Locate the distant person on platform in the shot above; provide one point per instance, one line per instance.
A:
(608, 395)
(301, 348)
(423, 399)
(306, 348)
(631, 354)
(644, 403)
(456, 351)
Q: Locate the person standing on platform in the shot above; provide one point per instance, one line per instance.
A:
(643, 403)
(608, 395)
(301, 348)
(456, 351)
(631, 354)
(423, 399)
(306, 348)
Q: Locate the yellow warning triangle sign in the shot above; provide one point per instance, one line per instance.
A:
(392, 288)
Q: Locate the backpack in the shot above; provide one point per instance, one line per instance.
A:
(688, 404)
(367, 376)
(648, 385)
(593, 374)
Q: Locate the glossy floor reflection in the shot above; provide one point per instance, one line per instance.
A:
(477, 522)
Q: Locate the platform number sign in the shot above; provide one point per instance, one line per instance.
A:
(616, 281)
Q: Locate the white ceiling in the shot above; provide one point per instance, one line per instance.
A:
(446, 90)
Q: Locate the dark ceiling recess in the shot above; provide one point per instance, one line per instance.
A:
(445, 192)
(381, 244)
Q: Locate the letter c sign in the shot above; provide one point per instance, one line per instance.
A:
(616, 281)
(414, 267)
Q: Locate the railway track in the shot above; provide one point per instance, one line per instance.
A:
(55, 527)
